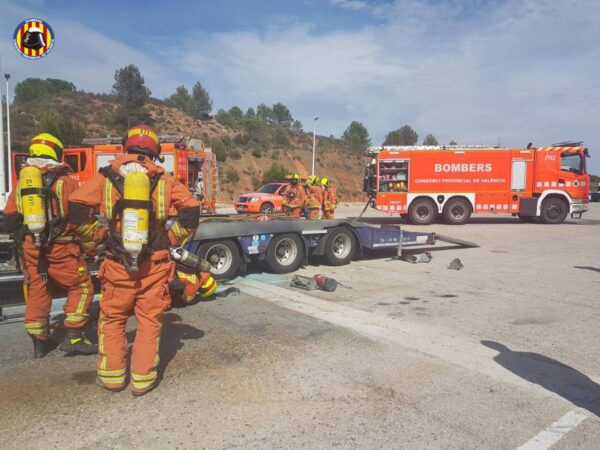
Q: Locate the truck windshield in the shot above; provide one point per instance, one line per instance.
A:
(269, 188)
(572, 162)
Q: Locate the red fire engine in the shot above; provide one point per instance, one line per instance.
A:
(420, 182)
(186, 159)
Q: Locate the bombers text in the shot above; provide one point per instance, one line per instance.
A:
(473, 167)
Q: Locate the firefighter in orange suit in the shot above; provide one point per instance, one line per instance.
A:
(315, 198)
(295, 198)
(329, 199)
(193, 277)
(36, 212)
(135, 196)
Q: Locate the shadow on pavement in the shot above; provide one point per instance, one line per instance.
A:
(173, 334)
(593, 269)
(551, 374)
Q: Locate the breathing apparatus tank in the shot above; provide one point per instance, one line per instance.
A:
(136, 196)
(32, 202)
(187, 259)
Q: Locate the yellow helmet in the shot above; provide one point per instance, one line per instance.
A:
(295, 176)
(324, 182)
(46, 146)
(313, 180)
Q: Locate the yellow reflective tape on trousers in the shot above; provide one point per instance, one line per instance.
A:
(59, 194)
(148, 377)
(161, 209)
(111, 373)
(108, 204)
(179, 231)
(83, 298)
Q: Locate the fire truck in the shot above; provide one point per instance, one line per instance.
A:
(185, 158)
(421, 182)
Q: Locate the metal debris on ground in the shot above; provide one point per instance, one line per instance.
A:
(425, 257)
(311, 283)
(455, 264)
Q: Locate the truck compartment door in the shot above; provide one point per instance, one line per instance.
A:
(518, 180)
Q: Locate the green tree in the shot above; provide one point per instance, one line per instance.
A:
(129, 89)
(264, 113)
(357, 137)
(250, 112)
(403, 136)
(64, 128)
(297, 126)
(452, 142)
(201, 102)
(430, 140)
(275, 173)
(282, 115)
(236, 113)
(232, 176)
(32, 89)
(181, 99)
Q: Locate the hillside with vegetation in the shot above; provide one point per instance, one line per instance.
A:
(253, 146)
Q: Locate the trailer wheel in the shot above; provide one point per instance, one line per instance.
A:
(340, 247)
(285, 253)
(267, 208)
(554, 210)
(457, 211)
(224, 257)
(422, 212)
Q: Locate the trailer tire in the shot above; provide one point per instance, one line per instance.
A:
(457, 211)
(224, 257)
(340, 247)
(554, 211)
(285, 253)
(267, 208)
(422, 212)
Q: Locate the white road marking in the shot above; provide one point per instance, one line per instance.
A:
(555, 432)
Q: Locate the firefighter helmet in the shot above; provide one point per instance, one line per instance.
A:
(295, 178)
(324, 182)
(313, 180)
(143, 140)
(46, 146)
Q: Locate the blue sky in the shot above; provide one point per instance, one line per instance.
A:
(503, 72)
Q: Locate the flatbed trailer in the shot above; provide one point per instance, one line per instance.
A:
(231, 243)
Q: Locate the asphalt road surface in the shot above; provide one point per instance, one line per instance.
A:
(501, 354)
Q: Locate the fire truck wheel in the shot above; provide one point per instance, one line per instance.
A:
(554, 210)
(340, 247)
(422, 212)
(285, 253)
(266, 208)
(457, 211)
(224, 257)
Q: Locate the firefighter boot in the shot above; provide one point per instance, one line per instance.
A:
(41, 347)
(75, 342)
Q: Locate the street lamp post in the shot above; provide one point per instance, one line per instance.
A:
(314, 144)
(2, 166)
(8, 145)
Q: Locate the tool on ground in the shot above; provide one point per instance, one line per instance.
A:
(311, 283)
(425, 257)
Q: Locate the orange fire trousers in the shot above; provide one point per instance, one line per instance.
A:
(202, 283)
(144, 294)
(328, 214)
(295, 212)
(67, 269)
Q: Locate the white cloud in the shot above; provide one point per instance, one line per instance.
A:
(80, 54)
(349, 4)
(479, 72)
